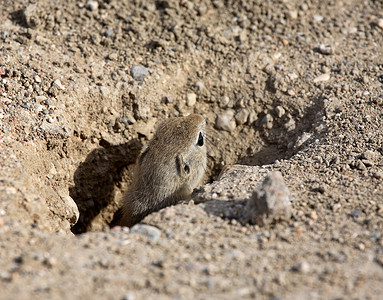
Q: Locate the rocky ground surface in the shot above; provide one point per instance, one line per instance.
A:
(287, 86)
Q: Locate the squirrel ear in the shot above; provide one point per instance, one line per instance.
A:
(183, 169)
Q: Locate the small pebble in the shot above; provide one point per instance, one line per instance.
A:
(313, 215)
(252, 117)
(92, 5)
(304, 7)
(321, 78)
(58, 84)
(268, 121)
(379, 22)
(139, 72)
(293, 76)
(37, 79)
(109, 32)
(50, 119)
(50, 262)
(280, 111)
(225, 121)
(293, 14)
(241, 116)
(224, 101)
(355, 213)
(325, 49)
(302, 267)
(199, 85)
(371, 155)
(4, 35)
(104, 91)
(129, 296)
(360, 165)
(153, 233)
(191, 99)
(289, 125)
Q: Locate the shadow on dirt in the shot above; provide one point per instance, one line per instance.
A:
(97, 179)
(282, 142)
(228, 209)
(276, 147)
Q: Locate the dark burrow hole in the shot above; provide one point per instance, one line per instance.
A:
(107, 171)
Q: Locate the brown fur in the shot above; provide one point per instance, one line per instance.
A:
(168, 169)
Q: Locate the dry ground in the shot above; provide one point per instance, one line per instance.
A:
(299, 86)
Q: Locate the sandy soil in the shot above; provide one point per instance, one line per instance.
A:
(291, 86)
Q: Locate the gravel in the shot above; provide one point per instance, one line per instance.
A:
(249, 55)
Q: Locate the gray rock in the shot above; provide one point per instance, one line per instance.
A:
(153, 233)
(241, 116)
(139, 72)
(290, 125)
(92, 5)
(109, 32)
(253, 116)
(267, 121)
(224, 101)
(57, 83)
(104, 91)
(30, 16)
(360, 165)
(371, 155)
(325, 49)
(128, 119)
(270, 201)
(225, 121)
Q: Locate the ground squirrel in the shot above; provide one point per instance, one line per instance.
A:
(168, 169)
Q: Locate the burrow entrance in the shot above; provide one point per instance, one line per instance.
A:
(106, 172)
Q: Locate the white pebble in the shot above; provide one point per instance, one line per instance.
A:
(92, 5)
(318, 18)
(199, 85)
(191, 99)
(280, 111)
(225, 121)
(325, 49)
(58, 84)
(321, 78)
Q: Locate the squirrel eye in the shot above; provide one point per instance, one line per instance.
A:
(200, 140)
